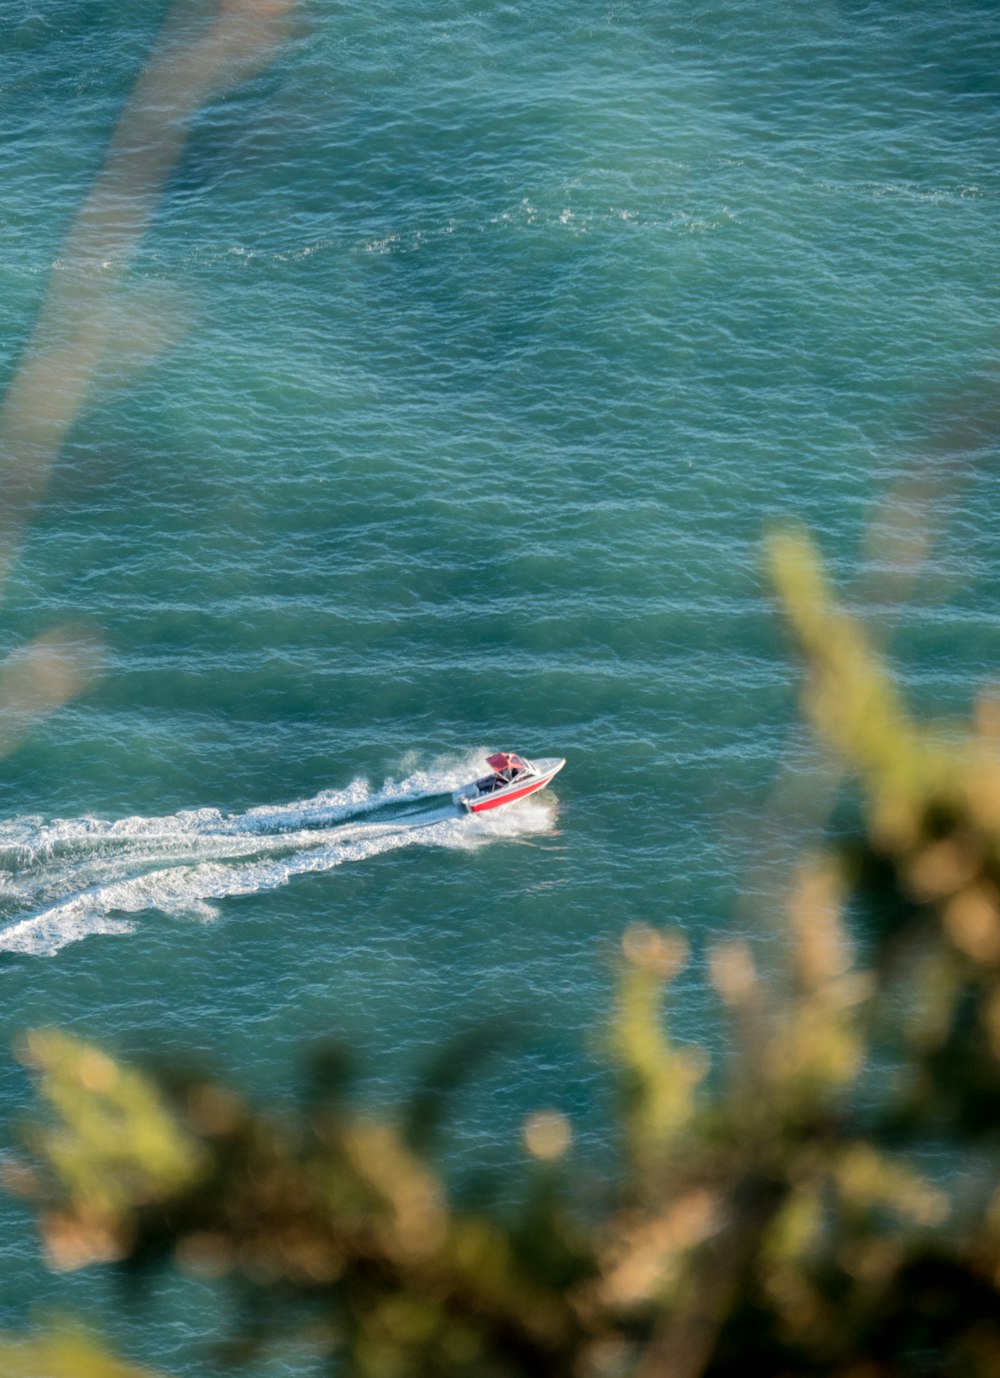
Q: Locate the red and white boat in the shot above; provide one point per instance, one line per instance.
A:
(513, 778)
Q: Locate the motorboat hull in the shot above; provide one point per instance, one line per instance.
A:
(539, 774)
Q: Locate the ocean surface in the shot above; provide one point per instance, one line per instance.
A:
(391, 383)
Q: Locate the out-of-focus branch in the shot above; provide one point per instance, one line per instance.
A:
(769, 1217)
(41, 677)
(75, 326)
(854, 703)
(49, 389)
(68, 1353)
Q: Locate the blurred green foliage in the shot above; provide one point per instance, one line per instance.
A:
(768, 1216)
(67, 1353)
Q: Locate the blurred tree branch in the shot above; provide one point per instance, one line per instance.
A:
(68, 1353)
(79, 323)
(770, 1215)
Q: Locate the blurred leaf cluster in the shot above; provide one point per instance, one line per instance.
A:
(824, 1202)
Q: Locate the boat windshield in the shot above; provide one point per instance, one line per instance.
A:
(507, 765)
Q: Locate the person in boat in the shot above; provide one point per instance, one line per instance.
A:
(506, 768)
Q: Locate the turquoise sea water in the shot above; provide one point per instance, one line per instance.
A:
(454, 367)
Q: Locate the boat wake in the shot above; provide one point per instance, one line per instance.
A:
(65, 879)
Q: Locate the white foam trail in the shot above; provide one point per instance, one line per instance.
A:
(66, 879)
(29, 837)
